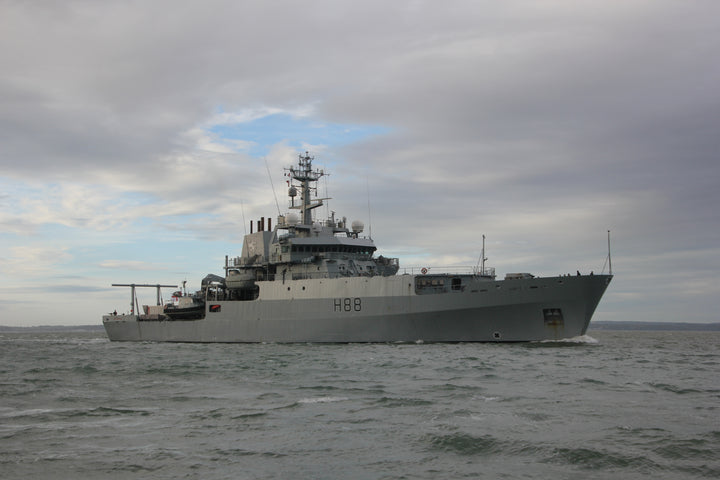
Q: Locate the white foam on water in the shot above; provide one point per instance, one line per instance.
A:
(579, 339)
(322, 400)
(10, 413)
(486, 399)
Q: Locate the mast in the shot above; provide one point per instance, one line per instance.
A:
(305, 174)
(482, 259)
(482, 262)
(609, 258)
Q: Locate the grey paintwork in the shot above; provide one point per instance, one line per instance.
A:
(308, 281)
(507, 310)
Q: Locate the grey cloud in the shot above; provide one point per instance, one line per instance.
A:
(575, 116)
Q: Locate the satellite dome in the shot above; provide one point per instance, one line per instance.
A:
(292, 218)
(357, 226)
(292, 192)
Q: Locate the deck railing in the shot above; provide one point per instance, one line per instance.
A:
(448, 270)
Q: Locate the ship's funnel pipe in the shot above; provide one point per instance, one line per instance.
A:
(261, 228)
(269, 224)
(251, 226)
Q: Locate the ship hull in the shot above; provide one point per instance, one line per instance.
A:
(385, 309)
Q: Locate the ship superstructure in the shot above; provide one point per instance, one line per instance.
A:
(301, 248)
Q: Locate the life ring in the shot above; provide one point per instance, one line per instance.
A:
(423, 270)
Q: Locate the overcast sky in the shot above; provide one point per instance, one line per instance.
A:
(136, 139)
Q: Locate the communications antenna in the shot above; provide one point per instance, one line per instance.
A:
(277, 204)
(367, 185)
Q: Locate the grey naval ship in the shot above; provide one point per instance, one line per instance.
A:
(320, 281)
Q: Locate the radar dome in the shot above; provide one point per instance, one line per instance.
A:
(357, 226)
(292, 218)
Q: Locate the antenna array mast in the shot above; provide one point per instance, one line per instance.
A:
(305, 174)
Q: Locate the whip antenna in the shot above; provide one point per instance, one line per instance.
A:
(367, 184)
(272, 185)
(242, 210)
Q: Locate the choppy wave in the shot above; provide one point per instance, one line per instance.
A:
(466, 444)
(669, 387)
(614, 405)
(595, 459)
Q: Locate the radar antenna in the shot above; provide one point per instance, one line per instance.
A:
(305, 174)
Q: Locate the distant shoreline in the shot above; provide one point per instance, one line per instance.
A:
(52, 328)
(662, 326)
(650, 326)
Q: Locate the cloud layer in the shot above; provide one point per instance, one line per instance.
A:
(136, 139)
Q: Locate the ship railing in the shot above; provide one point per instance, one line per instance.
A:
(307, 276)
(449, 270)
(316, 275)
(430, 270)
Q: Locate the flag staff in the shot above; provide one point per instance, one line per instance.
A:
(609, 258)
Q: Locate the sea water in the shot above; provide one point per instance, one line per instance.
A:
(630, 404)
